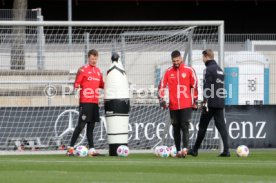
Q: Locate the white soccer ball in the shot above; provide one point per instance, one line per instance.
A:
(92, 152)
(81, 151)
(164, 151)
(156, 151)
(242, 151)
(123, 151)
(173, 151)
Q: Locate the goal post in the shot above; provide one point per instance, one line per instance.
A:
(38, 106)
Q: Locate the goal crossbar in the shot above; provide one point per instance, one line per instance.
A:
(112, 23)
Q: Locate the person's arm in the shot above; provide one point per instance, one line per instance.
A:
(78, 79)
(101, 81)
(207, 85)
(194, 88)
(161, 90)
(194, 84)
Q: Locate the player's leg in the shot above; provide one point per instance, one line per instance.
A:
(76, 133)
(203, 124)
(185, 123)
(78, 129)
(94, 117)
(89, 133)
(176, 128)
(220, 124)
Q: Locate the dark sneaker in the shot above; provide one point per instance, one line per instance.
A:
(192, 152)
(224, 154)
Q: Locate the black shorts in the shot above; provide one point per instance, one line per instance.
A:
(89, 112)
(181, 116)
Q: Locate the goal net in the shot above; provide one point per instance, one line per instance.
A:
(39, 61)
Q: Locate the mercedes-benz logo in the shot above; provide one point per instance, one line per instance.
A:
(71, 125)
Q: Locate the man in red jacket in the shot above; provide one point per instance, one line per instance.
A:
(89, 80)
(182, 83)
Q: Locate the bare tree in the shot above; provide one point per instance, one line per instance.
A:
(18, 36)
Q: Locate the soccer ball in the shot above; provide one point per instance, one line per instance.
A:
(173, 151)
(242, 151)
(92, 152)
(156, 151)
(164, 151)
(123, 151)
(81, 151)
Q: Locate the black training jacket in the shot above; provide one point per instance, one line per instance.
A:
(213, 85)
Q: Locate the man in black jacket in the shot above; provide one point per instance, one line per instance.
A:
(213, 103)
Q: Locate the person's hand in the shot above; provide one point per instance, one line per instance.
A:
(77, 90)
(205, 106)
(162, 103)
(194, 106)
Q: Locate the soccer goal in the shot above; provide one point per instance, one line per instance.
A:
(39, 61)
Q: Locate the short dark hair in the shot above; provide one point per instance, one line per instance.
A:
(209, 53)
(175, 54)
(92, 52)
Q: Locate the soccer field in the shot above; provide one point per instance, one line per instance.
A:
(259, 167)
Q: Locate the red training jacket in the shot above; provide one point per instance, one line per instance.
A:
(90, 80)
(180, 82)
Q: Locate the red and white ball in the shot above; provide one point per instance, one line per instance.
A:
(156, 151)
(81, 151)
(163, 152)
(123, 151)
(173, 151)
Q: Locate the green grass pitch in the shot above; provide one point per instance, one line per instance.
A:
(259, 167)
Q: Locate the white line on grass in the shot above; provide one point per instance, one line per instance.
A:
(173, 163)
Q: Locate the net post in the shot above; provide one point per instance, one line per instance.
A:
(221, 45)
(221, 64)
(123, 50)
(40, 42)
(190, 54)
(86, 46)
(69, 2)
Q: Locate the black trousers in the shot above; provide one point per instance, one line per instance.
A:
(180, 120)
(88, 115)
(205, 118)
